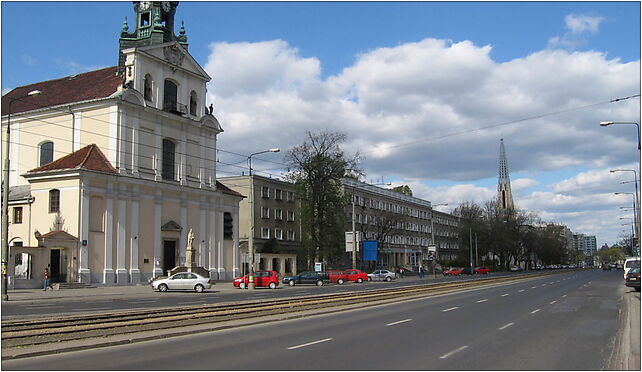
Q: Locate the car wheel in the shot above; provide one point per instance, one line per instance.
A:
(359, 280)
(242, 285)
(162, 288)
(637, 289)
(272, 285)
(319, 283)
(199, 288)
(340, 281)
(388, 278)
(291, 283)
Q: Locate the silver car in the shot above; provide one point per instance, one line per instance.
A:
(382, 275)
(183, 281)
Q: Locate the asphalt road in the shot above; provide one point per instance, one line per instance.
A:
(560, 322)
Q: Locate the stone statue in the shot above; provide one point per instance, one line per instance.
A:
(189, 251)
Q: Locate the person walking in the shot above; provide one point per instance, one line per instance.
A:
(47, 280)
(421, 271)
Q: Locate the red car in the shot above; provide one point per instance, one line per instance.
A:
(338, 277)
(482, 270)
(358, 276)
(263, 278)
(452, 272)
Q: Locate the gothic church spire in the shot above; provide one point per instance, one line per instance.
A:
(504, 194)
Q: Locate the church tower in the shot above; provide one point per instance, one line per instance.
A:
(154, 25)
(504, 194)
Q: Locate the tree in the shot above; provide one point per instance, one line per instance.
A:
(318, 166)
(404, 189)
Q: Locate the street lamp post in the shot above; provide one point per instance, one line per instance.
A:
(250, 239)
(607, 123)
(5, 195)
(432, 234)
(636, 212)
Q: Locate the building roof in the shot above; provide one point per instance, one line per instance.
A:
(89, 158)
(59, 235)
(21, 192)
(226, 190)
(75, 88)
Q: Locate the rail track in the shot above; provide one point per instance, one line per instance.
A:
(17, 333)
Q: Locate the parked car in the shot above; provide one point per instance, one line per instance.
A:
(452, 272)
(262, 278)
(358, 276)
(337, 276)
(382, 275)
(482, 270)
(632, 278)
(467, 271)
(631, 263)
(515, 268)
(308, 277)
(183, 281)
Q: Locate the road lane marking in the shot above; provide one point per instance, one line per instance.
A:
(505, 294)
(552, 302)
(453, 352)
(309, 343)
(505, 326)
(533, 287)
(399, 322)
(92, 309)
(543, 284)
(534, 311)
(521, 290)
(452, 308)
(563, 296)
(484, 300)
(551, 283)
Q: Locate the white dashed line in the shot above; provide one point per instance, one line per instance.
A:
(563, 296)
(399, 322)
(533, 287)
(453, 352)
(505, 294)
(449, 309)
(521, 290)
(552, 302)
(309, 343)
(534, 311)
(484, 300)
(505, 326)
(543, 284)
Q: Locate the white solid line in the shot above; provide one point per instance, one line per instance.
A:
(452, 308)
(505, 294)
(453, 352)
(552, 302)
(484, 300)
(521, 290)
(399, 322)
(534, 311)
(309, 343)
(505, 326)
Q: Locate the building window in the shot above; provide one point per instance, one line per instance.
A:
(265, 212)
(290, 196)
(54, 201)
(170, 96)
(265, 232)
(265, 192)
(46, 152)
(278, 234)
(192, 103)
(228, 226)
(169, 158)
(290, 235)
(17, 215)
(278, 214)
(147, 92)
(290, 215)
(278, 194)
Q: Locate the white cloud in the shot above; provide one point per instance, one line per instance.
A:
(579, 26)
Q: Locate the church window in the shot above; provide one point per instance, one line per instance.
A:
(54, 201)
(144, 20)
(192, 103)
(46, 152)
(170, 96)
(148, 88)
(228, 226)
(169, 156)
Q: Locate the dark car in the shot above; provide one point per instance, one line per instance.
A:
(467, 271)
(633, 278)
(308, 277)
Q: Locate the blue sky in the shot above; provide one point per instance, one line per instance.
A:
(389, 73)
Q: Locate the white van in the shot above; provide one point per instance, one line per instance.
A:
(631, 263)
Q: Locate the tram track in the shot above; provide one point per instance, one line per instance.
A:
(21, 333)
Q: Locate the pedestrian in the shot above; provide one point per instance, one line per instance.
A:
(401, 270)
(421, 271)
(47, 280)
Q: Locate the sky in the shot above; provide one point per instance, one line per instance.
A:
(423, 91)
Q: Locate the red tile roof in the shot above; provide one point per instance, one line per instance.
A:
(226, 190)
(58, 234)
(89, 157)
(75, 88)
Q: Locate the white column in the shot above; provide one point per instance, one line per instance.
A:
(158, 148)
(220, 247)
(201, 237)
(212, 245)
(83, 266)
(121, 221)
(201, 172)
(235, 244)
(183, 237)
(158, 242)
(108, 271)
(212, 176)
(134, 144)
(182, 150)
(134, 269)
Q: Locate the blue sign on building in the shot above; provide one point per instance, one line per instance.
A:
(370, 248)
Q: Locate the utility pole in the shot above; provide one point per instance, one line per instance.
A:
(476, 252)
(470, 244)
(354, 235)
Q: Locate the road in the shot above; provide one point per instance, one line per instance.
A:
(561, 322)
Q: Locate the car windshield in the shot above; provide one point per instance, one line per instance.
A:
(631, 264)
(635, 270)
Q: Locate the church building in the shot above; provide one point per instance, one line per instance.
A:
(110, 169)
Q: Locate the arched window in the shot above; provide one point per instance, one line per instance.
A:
(169, 158)
(46, 152)
(192, 103)
(148, 88)
(170, 96)
(54, 201)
